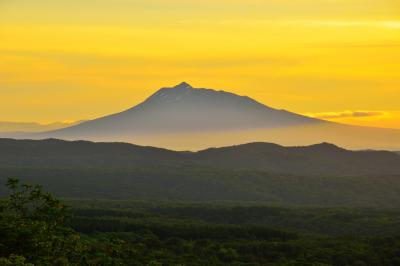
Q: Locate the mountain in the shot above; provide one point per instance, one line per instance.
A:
(317, 175)
(185, 109)
(186, 118)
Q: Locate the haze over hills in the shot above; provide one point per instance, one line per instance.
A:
(6, 126)
(317, 175)
(186, 118)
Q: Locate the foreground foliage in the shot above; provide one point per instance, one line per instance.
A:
(31, 226)
(36, 229)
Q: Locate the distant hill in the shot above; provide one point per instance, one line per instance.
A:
(318, 159)
(317, 175)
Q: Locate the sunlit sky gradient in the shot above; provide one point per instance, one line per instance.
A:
(81, 59)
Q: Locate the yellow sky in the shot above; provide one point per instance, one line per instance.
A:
(74, 59)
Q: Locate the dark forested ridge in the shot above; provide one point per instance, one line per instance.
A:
(318, 175)
(324, 158)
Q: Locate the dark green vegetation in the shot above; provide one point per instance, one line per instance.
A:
(35, 229)
(318, 175)
(183, 234)
(261, 204)
(188, 184)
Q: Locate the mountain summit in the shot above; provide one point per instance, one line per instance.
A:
(183, 108)
(184, 85)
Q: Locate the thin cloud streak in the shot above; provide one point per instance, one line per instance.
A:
(389, 24)
(348, 23)
(345, 114)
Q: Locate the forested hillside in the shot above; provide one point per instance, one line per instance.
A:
(319, 175)
(320, 159)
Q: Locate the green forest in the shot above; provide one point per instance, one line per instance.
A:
(38, 229)
(321, 175)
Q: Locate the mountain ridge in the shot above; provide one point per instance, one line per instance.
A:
(323, 158)
(317, 175)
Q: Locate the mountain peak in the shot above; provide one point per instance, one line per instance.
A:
(170, 94)
(183, 85)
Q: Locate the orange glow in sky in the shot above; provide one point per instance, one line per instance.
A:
(72, 60)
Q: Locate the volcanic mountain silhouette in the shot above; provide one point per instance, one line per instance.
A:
(185, 109)
(183, 117)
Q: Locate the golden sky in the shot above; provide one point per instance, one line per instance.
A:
(81, 59)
